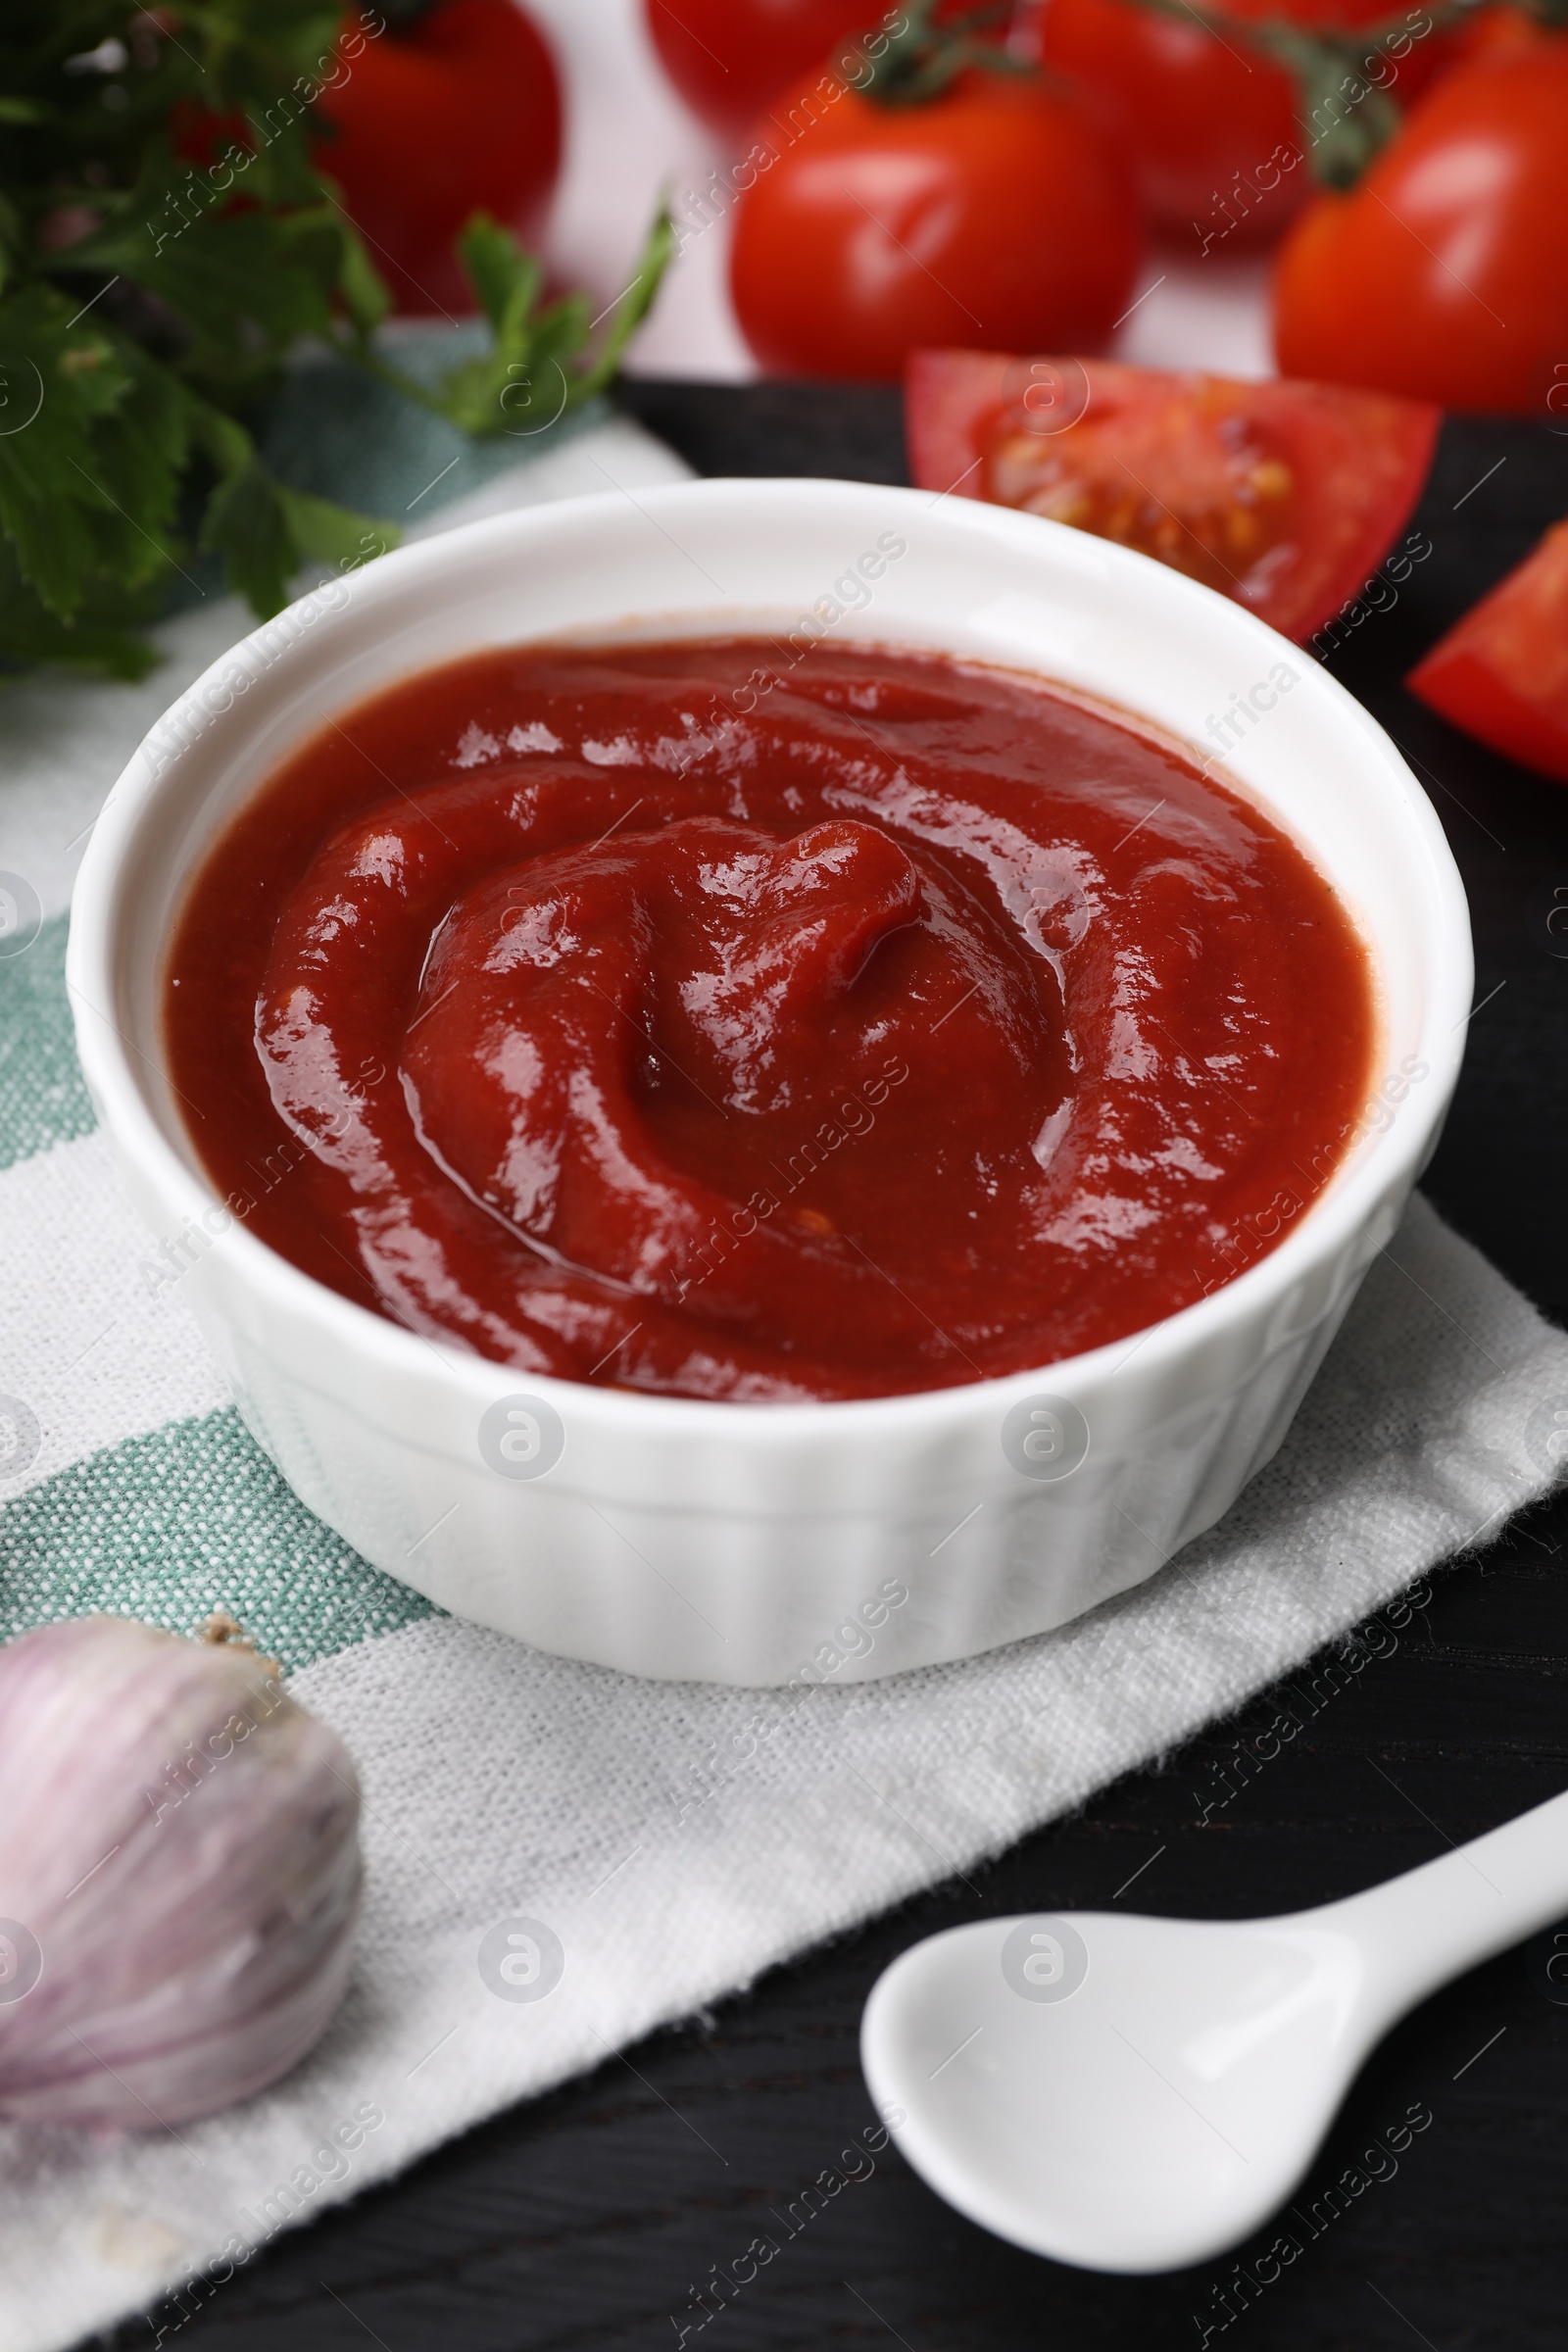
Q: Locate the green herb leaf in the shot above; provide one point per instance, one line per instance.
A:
(246, 524)
(539, 367)
(165, 239)
(505, 279)
(329, 533)
(89, 469)
(265, 531)
(363, 291)
(103, 637)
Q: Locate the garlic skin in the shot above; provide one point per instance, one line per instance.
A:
(181, 1841)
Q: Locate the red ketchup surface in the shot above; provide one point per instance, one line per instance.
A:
(659, 1016)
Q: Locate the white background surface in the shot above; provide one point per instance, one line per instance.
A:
(628, 134)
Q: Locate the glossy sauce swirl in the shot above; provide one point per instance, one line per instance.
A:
(887, 1025)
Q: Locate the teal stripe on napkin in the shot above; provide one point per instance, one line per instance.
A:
(42, 1098)
(191, 1519)
(338, 432)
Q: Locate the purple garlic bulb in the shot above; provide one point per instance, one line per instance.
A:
(179, 1874)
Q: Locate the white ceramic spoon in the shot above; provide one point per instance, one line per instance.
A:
(1136, 2094)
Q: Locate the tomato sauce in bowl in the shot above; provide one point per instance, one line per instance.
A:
(635, 1015)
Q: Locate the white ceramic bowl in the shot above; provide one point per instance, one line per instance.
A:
(741, 1542)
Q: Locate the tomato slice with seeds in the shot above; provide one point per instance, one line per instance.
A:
(1501, 673)
(1283, 496)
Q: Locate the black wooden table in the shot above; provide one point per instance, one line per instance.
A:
(588, 2218)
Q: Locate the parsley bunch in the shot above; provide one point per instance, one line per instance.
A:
(164, 239)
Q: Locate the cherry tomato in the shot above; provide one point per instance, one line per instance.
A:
(455, 114)
(1496, 31)
(730, 58)
(1501, 672)
(1444, 273)
(1284, 497)
(996, 212)
(1224, 155)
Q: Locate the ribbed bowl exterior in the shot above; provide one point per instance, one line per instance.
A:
(750, 1543)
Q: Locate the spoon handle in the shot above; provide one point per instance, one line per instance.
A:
(1417, 1931)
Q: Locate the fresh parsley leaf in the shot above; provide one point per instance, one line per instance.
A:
(89, 470)
(265, 531)
(540, 366)
(103, 637)
(165, 239)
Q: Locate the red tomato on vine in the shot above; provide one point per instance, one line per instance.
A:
(994, 212)
(1224, 136)
(1445, 274)
(729, 59)
(452, 111)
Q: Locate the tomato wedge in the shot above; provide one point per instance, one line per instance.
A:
(1501, 673)
(1284, 496)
